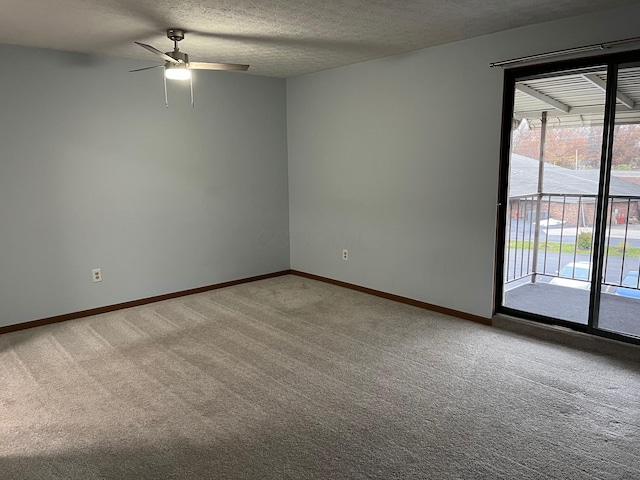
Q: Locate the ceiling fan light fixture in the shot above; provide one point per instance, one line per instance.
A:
(177, 71)
(177, 65)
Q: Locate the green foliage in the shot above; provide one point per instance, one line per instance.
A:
(584, 240)
(611, 251)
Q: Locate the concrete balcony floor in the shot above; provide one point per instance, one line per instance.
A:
(617, 314)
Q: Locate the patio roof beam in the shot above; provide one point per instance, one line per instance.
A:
(543, 98)
(602, 85)
(599, 109)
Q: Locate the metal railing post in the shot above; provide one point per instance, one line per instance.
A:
(536, 237)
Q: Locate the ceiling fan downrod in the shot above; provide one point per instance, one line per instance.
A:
(175, 35)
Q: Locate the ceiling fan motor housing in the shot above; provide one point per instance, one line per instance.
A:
(181, 57)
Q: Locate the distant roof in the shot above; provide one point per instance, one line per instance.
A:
(524, 180)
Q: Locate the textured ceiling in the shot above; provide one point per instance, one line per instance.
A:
(280, 38)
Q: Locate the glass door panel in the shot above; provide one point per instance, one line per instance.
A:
(556, 147)
(620, 296)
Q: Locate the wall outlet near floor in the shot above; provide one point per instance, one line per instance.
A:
(345, 254)
(96, 273)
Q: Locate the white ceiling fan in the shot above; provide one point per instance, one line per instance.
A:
(177, 65)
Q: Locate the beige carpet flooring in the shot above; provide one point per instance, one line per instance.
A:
(289, 378)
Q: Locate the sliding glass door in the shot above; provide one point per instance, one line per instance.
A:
(569, 237)
(619, 306)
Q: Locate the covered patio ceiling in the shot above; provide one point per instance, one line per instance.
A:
(577, 98)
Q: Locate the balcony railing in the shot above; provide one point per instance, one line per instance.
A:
(563, 237)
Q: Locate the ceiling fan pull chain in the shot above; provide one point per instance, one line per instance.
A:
(191, 85)
(166, 96)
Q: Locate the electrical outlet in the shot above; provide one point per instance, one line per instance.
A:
(96, 273)
(345, 254)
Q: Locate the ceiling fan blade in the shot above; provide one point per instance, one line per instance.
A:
(164, 56)
(145, 68)
(218, 66)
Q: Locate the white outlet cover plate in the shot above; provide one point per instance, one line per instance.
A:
(96, 273)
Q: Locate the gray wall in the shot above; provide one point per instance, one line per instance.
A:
(394, 159)
(397, 160)
(95, 172)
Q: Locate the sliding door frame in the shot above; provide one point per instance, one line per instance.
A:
(612, 62)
